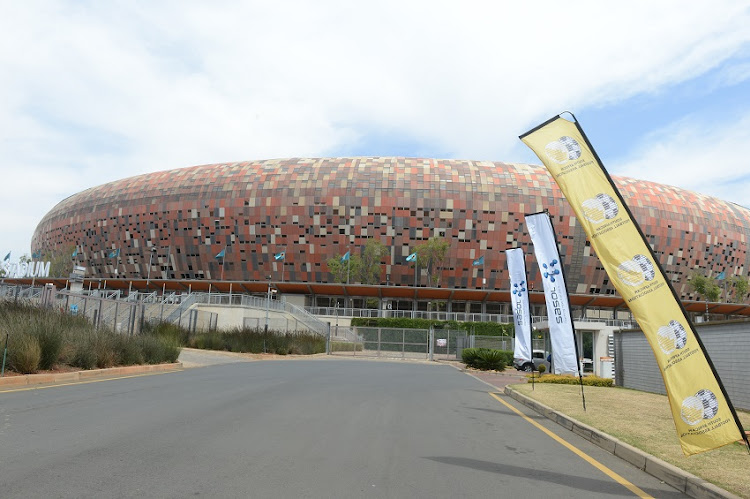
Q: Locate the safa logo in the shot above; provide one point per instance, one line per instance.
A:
(550, 271)
(671, 337)
(702, 405)
(636, 271)
(563, 150)
(599, 208)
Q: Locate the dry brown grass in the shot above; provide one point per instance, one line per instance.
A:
(644, 421)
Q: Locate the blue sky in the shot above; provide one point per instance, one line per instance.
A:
(97, 91)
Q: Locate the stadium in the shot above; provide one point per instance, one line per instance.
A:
(221, 225)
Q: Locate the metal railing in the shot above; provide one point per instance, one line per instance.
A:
(448, 316)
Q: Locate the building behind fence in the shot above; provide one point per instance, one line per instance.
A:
(727, 343)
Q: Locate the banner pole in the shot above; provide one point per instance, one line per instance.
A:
(572, 322)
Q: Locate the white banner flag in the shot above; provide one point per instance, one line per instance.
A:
(519, 298)
(558, 310)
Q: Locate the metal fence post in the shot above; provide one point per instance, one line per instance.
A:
(431, 340)
(403, 343)
(380, 339)
(328, 340)
(115, 322)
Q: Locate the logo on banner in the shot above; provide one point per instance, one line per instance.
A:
(702, 405)
(550, 271)
(636, 271)
(519, 290)
(563, 150)
(599, 208)
(671, 337)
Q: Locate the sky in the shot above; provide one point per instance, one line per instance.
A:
(95, 91)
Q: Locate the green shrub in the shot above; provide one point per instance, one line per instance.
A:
(171, 352)
(256, 341)
(129, 352)
(507, 356)
(484, 358)
(105, 349)
(166, 330)
(24, 354)
(491, 360)
(153, 349)
(85, 355)
(51, 343)
(469, 356)
(541, 368)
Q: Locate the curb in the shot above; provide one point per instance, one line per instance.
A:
(41, 379)
(681, 480)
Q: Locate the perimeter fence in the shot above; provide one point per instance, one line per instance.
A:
(427, 344)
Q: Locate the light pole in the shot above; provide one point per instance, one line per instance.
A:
(337, 318)
(268, 302)
(148, 274)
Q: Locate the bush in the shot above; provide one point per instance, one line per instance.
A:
(129, 352)
(25, 354)
(469, 356)
(254, 341)
(85, 355)
(484, 358)
(153, 349)
(106, 351)
(168, 331)
(541, 368)
(491, 360)
(568, 379)
(51, 342)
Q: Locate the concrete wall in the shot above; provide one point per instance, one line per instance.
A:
(727, 343)
(230, 316)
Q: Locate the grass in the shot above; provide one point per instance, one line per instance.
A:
(644, 420)
(245, 340)
(46, 339)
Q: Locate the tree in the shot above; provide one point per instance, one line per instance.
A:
(705, 287)
(338, 268)
(364, 269)
(740, 287)
(60, 262)
(369, 267)
(431, 256)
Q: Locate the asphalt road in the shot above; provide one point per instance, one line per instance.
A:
(331, 427)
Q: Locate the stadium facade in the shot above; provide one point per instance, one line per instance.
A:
(317, 209)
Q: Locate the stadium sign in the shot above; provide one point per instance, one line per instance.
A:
(19, 270)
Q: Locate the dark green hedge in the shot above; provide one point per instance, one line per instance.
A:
(484, 358)
(478, 328)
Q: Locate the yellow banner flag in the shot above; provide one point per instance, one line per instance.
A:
(702, 413)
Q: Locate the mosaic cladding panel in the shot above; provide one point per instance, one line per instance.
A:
(317, 209)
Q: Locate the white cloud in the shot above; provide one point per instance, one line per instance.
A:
(97, 91)
(697, 156)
